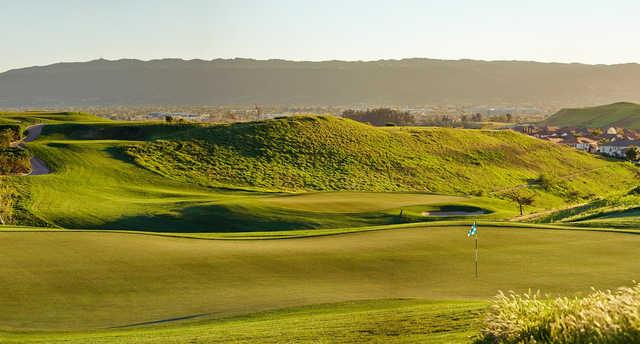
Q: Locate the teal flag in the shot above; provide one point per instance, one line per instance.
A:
(473, 231)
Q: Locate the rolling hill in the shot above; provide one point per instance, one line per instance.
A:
(331, 154)
(620, 115)
(247, 82)
(95, 185)
(302, 173)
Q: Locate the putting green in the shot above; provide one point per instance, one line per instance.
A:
(85, 280)
(349, 202)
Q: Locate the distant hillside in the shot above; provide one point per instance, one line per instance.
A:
(24, 119)
(328, 153)
(245, 81)
(624, 115)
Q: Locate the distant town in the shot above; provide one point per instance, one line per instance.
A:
(614, 142)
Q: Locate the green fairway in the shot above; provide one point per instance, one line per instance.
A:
(82, 280)
(388, 321)
(341, 202)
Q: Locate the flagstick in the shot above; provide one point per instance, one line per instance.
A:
(476, 251)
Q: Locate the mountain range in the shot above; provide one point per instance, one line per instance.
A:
(280, 82)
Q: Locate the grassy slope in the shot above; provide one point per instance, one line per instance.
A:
(94, 185)
(388, 321)
(626, 115)
(326, 153)
(84, 280)
(617, 212)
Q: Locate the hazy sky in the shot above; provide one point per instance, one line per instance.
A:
(38, 32)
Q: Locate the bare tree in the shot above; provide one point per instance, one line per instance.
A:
(521, 198)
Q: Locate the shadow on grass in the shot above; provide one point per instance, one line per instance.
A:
(225, 218)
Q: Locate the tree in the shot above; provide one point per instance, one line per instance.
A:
(381, 116)
(632, 153)
(509, 117)
(168, 118)
(521, 198)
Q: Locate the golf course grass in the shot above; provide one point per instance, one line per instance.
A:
(384, 321)
(65, 280)
(129, 250)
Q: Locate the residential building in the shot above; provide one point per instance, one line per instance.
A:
(618, 148)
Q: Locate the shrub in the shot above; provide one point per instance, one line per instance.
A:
(7, 195)
(11, 132)
(6, 137)
(601, 317)
(14, 161)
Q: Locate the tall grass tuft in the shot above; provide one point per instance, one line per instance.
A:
(601, 317)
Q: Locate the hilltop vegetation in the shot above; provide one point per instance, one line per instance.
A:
(328, 153)
(381, 117)
(621, 115)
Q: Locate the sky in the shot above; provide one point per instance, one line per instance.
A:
(40, 32)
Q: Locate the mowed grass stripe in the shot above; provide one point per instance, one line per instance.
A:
(90, 280)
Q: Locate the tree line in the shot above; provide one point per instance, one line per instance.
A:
(381, 117)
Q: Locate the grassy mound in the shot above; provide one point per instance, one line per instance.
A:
(95, 187)
(625, 115)
(604, 317)
(327, 153)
